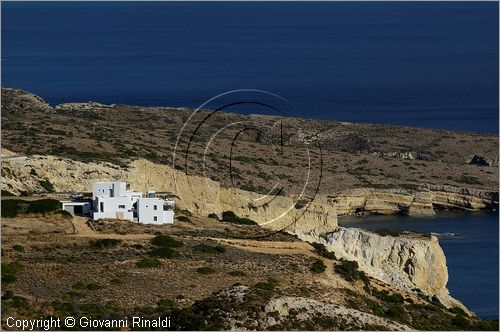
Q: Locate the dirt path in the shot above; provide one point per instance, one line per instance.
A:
(82, 229)
(270, 247)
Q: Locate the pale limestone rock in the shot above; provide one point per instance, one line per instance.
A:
(88, 106)
(393, 201)
(308, 308)
(408, 261)
(196, 194)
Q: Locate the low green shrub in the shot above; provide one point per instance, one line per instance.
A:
(460, 322)
(267, 286)
(352, 304)
(117, 281)
(458, 311)
(18, 248)
(205, 270)
(9, 272)
(20, 302)
(375, 308)
(469, 180)
(386, 296)
(237, 273)
(318, 266)
(7, 295)
(47, 185)
(7, 193)
(166, 304)
(148, 263)
(13, 207)
(230, 216)
(208, 249)
(321, 250)
(105, 243)
(435, 300)
(409, 186)
(184, 218)
(396, 311)
(82, 285)
(163, 252)
(44, 206)
(487, 325)
(165, 241)
(349, 271)
(213, 216)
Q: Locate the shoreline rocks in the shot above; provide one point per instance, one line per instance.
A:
(408, 261)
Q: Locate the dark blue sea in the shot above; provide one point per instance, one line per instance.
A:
(431, 64)
(470, 243)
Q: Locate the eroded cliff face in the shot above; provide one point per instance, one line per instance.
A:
(198, 195)
(408, 261)
(414, 203)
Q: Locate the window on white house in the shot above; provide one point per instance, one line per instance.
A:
(155, 207)
(155, 218)
(121, 206)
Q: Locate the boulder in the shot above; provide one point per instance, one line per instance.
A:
(479, 160)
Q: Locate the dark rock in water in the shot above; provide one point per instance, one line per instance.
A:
(479, 160)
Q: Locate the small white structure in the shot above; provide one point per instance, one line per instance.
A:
(150, 211)
(112, 200)
(75, 207)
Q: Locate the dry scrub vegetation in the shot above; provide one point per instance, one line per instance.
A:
(174, 270)
(351, 155)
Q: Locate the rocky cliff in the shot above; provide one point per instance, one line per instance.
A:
(408, 261)
(198, 195)
(416, 203)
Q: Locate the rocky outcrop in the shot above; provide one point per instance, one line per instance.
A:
(415, 203)
(291, 313)
(453, 198)
(410, 155)
(199, 195)
(383, 202)
(479, 161)
(283, 308)
(408, 261)
(88, 106)
(17, 100)
(279, 212)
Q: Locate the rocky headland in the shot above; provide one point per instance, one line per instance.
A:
(363, 169)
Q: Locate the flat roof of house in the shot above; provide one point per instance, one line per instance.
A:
(74, 203)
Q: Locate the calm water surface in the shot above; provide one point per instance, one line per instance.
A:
(430, 64)
(470, 242)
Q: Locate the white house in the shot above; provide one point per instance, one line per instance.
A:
(150, 211)
(112, 200)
